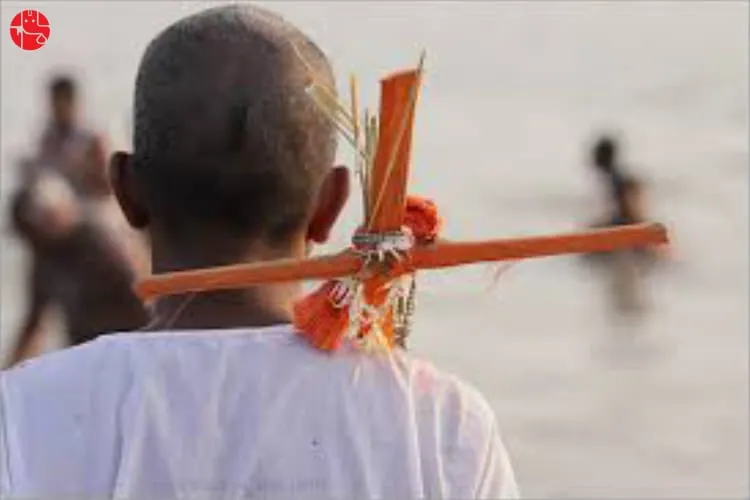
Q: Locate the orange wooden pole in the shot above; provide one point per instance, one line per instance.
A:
(390, 172)
(437, 255)
(447, 254)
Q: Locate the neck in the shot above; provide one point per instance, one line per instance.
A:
(63, 127)
(250, 307)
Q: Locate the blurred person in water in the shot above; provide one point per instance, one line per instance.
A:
(625, 194)
(69, 148)
(77, 153)
(75, 266)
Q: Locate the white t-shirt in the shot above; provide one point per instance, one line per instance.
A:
(245, 413)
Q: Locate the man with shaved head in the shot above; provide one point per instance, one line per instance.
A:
(221, 398)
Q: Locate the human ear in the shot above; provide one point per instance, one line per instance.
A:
(331, 200)
(123, 185)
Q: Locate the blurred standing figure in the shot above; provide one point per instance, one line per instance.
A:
(83, 255)
(69, 149)
(79, 154)
(604, 158)
(625, 195)
(76, 266)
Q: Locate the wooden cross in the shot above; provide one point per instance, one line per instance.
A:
(385, 193)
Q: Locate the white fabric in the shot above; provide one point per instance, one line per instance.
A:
(52, 191)
(229, 414)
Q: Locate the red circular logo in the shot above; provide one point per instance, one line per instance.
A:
(29, 29)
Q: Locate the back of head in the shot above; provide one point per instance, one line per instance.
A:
(63, 96)
(63, 87)
(226, 138)
(604, 153)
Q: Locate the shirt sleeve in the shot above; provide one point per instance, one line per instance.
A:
(496, 480)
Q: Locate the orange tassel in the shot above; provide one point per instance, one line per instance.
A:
(324, 325)
(421, 217)
(319, 321)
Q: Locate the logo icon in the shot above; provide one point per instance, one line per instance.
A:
(29, 29)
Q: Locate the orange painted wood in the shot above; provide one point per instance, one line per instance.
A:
(441, 254)
(397, 102)
(390, 172)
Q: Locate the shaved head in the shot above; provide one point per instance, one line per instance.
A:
(226, 138)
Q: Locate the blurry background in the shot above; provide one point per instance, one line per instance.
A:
(514, 94)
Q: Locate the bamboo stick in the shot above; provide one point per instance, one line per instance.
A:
(391, 164)
(438, 255)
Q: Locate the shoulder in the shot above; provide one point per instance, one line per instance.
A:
(51, 415)
(45, 398)
(55, 376)
(447, 392)
(441, 404)
(451, 412)
(460, 422)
